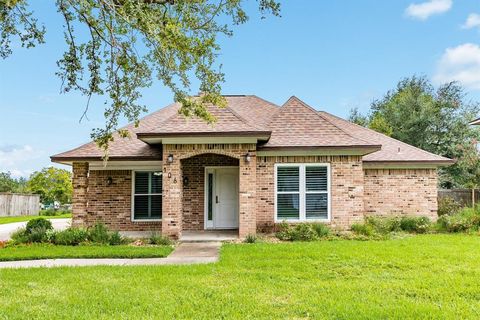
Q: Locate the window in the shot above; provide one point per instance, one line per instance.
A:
(147, 197)
(302, 192)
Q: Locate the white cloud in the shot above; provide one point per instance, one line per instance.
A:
(460, 63)
(424, 10)
(473, 21)
(14, 157)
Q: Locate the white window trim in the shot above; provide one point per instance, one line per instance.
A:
(303, 192)
(150, 194)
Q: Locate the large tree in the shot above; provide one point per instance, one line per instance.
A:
(52, 184)
(11, 184)
(116, 47)
(434, 119)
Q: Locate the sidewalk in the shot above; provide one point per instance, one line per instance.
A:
(185, 253)
(6, 230)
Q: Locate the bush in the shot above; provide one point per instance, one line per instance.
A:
(99, 234)
(321, 229)
(300, 232)
(448, 206)
(38, 223)
(70, 237)
(415, 224)
(20, 236)
(467, 219)
(251, 238)
(384, 225)
(158, 239)
(116, 239)
(363, 229)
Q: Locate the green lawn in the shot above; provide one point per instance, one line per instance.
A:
(5, 220)
(42, 251)
(430, 276)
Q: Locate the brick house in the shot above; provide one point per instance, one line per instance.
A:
(260, 164)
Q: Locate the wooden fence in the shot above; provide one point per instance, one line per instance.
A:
(462, 196)
(15, 204)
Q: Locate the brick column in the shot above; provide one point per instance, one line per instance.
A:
(247, 203)
(172, 195)
(79, 197)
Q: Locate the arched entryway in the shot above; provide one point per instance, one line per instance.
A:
(210, 194)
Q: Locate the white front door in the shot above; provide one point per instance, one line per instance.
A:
(222, 198)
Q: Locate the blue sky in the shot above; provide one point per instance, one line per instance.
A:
(335, 55)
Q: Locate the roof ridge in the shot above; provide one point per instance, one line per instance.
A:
(243, 119)
(383, 135)
(322, 117)
(264, 100)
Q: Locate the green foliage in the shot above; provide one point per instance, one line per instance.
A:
(467, 219)
(99, 234)
(297, 232)
(116, 239)
(363, 229)
(321, 229)
(53, 212)
(38, 223)
(52, 184)
(158, 239)
(70, 237)
(10, 184)
(250, 238)
(129, 42)
(447, 206)
(436, 120)
(20, 236)
(415, 224)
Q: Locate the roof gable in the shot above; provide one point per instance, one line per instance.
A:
(296, 124)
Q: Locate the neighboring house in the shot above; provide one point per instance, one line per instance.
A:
(259, 165)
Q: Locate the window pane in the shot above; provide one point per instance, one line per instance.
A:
(141, 207)
(156, 182)
(156, 207)
(288, 179)
(288, 206)
(316, 178)
(210, 197)
(141, 182)
(316, 206)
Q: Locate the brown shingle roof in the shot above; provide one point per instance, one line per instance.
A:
(392, 150)
(298, 125)
(294, 125)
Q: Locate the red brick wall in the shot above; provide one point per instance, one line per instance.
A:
(111, 204)
(346, 188)
(401, 191)
(193, 193)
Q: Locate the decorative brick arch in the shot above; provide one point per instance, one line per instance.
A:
(172, 205)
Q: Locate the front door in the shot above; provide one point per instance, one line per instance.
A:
(222, 198)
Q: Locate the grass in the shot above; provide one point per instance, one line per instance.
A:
(425, 276)
(5, 220)
(44, 251)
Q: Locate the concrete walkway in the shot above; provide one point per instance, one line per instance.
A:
(185, 253)
(6, 230)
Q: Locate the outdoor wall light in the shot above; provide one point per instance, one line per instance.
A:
(170, 158)
(109, 181)
(185, 181)
(248, 157)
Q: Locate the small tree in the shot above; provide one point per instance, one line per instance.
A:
(52, 184)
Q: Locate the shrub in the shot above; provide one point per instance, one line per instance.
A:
(363, 229)
(20, 236)
(99, 234)
(116, 239)
(299, 232)
(251, 238)
(38, 223)
(415, 224)
(158, 239)
(448, 206)
(321, 229)
(465, 220)
(383, 225)
(70, 237)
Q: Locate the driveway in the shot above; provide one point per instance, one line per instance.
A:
(7, 229)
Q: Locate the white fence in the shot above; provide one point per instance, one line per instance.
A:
(15, 204)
